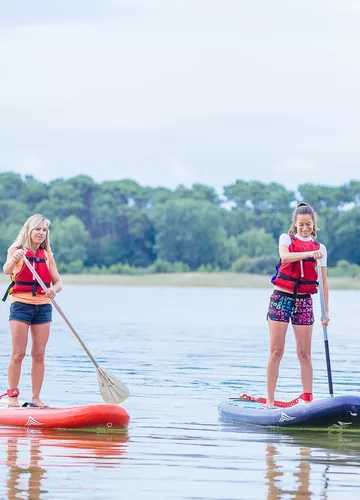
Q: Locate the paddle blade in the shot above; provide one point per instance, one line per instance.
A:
(112, 390)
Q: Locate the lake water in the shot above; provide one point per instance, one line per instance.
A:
(181, 351)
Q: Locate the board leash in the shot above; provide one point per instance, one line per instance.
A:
(305, 396)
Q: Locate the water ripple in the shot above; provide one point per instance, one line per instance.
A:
(180, 351)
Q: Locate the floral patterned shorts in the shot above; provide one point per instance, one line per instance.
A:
(284, 306)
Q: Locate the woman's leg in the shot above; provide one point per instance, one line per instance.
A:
(303, 335)
(40, 336)
(19, 338)
(277, 342)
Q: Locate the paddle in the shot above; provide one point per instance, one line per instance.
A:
(112, 390)
(326, 342)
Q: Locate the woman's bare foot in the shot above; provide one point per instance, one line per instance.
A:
(269, 405)
(39, 403)
(13, 403)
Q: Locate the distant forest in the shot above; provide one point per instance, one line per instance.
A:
(121, 227)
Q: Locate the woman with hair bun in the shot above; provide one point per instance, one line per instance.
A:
(294, 284)
(30, 305)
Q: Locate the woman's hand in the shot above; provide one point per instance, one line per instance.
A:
(325, 321)
(316, 254)
(50, 293)
(18, 254)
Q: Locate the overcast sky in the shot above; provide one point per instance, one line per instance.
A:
(170, 92)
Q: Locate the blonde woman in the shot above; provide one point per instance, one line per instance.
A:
(30, 306)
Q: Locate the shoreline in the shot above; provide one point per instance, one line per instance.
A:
(213, 280)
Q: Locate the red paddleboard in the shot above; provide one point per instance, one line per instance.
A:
(96, 416)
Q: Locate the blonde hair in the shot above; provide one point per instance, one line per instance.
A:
(303, 209)
(23, 239)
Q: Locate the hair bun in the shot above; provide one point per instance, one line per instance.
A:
(302, 204)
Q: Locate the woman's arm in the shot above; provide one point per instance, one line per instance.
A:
(325, 321)
(287, 256)
(13, 257)
(55, 277)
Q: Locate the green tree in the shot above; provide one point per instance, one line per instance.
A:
(233, 221)
(34, 193)
(125, 192)
(11, 186)
(190, 231)
(353, 190)
(197, 192)
(344, 244)
(256, 243)
(69, 240)
(73, 196)
(159, 195)
(322, 197)
(125, 234)
(14, 212)
(258, 196)
(8, 233)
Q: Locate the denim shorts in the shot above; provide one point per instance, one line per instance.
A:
(30, 313)
(284, 306)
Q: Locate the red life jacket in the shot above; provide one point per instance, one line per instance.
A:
(291, 277)
(24, 281)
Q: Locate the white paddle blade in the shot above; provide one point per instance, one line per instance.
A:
(112, 390)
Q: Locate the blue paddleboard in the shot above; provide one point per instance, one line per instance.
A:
(338, 411)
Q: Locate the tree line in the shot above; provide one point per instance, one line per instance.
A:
(122, 227)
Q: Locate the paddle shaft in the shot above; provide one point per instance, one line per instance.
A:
(43, 286)
(326, 341)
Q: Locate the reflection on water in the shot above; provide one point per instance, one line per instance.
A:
(301, 474)
(275, 471)
(28, 449)
(180, 351)
(23, 477)
(307, 464)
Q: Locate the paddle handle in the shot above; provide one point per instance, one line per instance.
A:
(326, 341)
(57, 307)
